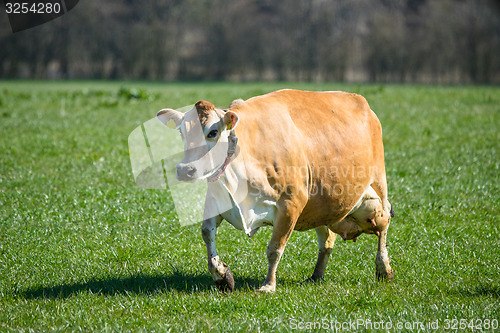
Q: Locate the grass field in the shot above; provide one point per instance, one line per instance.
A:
(82, 248)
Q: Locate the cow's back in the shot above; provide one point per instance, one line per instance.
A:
(329, 143)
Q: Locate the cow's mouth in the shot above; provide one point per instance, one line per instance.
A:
(202, 168)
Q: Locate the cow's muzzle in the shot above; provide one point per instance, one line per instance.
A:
(211, 165)
(185, 172)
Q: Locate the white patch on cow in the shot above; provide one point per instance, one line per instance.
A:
(368, 194)
(236, 205)
(257, 213)
(220, 198)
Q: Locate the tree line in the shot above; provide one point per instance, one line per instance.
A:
(427, 41)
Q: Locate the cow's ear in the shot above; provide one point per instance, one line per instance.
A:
(231, 120)
(169, 117)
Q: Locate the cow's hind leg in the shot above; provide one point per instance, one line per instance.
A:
(326, 239)
(220, 273)
(382, 261)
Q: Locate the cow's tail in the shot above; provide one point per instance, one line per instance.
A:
(392, 212)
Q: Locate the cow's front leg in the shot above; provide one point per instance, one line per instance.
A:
(220, 273)
(326, 239)
(282, 230)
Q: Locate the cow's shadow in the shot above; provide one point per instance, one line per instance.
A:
(482, 290)
(137, 284)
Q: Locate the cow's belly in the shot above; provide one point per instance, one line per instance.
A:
(321, 212)
(334, 193)
(326, 209)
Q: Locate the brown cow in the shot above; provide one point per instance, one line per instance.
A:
(304, 160)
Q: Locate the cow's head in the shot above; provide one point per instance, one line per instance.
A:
(204, 131)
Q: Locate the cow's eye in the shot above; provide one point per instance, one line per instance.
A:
(212, 134)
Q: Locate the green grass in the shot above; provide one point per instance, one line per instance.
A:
(82, 248)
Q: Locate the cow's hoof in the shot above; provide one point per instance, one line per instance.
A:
(314, 279)
(266, 289)
(385, 275)
(226, 284)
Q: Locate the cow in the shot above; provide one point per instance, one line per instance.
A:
(308, 160)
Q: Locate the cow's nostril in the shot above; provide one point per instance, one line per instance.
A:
(190, 171)
(185, 171)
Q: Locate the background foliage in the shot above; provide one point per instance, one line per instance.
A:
(445, 41)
